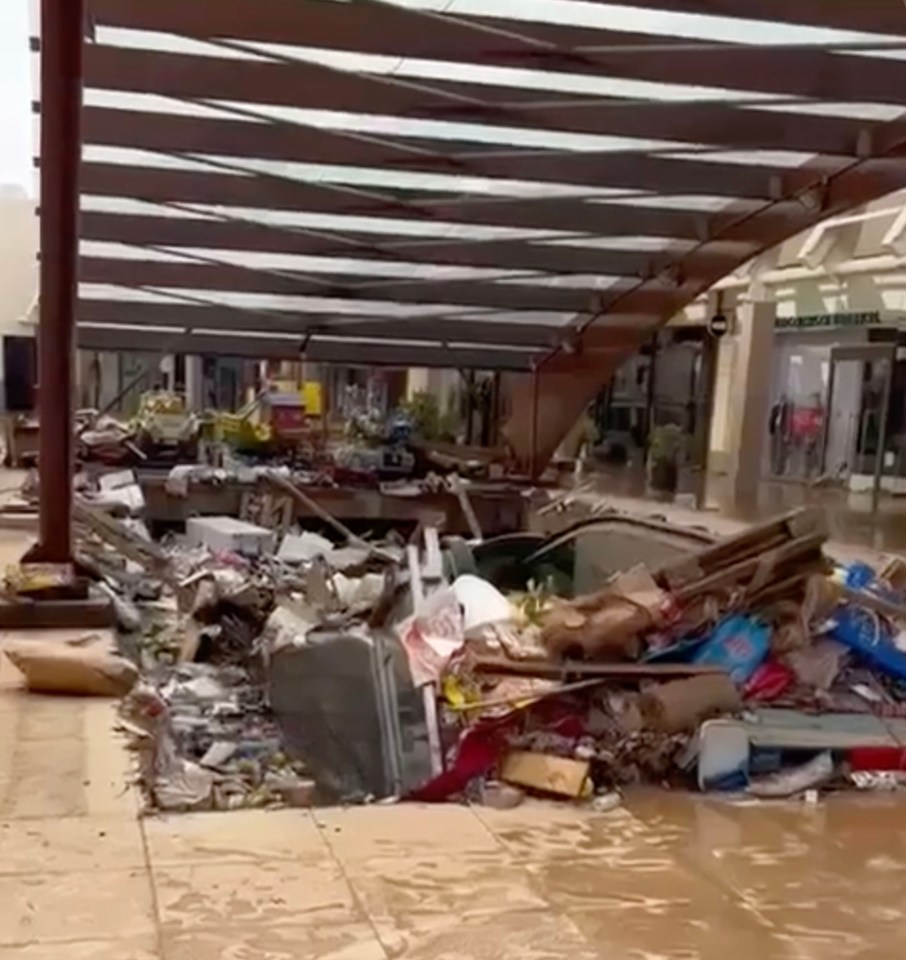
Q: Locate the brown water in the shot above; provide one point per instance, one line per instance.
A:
(689, 878)
(854, 519)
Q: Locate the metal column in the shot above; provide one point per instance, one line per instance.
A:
(62, 26)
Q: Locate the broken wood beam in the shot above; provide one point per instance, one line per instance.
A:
(557, 670)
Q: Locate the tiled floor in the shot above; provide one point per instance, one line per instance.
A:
(83, 877)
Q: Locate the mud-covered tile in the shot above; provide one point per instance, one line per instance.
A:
(680, 932)
(240, 836)
(514, 935)
(50, 718)
(363, 833)
(314, 941)
(276, 892)
(122, 948)
(46, 780)
(625, 882)
(75, 906)
(70, 844)
(392, 889)
(540, 831)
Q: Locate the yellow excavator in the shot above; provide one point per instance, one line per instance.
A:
(281, 417)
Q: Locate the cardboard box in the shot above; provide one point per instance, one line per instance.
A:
(545, 773)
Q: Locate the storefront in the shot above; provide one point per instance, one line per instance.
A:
(838, 400)
(668, 382)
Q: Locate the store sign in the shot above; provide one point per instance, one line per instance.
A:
(823, 321)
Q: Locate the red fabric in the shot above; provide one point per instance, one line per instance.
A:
(769, 681)
(479, 750)
(481, 746)
(877, 758)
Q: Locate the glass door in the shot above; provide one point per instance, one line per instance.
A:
(855, 416)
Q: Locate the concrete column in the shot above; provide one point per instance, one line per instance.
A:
(741, 408)
(194, 383)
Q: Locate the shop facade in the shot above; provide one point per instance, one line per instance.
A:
(830, 374)
(668, 382)
(834, 302)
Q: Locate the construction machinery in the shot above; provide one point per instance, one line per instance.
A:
(281, 418)
(164, 428)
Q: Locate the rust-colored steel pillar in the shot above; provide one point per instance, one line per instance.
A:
(62, 25)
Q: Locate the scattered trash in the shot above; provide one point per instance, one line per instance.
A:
(680, 706)
(229, 535)
(302, 547)
(801, 779)
(423, 667)
(722, 750)
(500, 796)
(294, 790)
(606, 802)
(886, 780)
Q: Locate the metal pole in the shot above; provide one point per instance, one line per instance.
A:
(651, 395)
(828, 410)
(62, 24)
(889, 365)
(533, 467)
(710, 354)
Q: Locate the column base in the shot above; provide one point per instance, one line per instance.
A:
(91, 613)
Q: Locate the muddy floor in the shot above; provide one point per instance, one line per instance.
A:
(693, 878)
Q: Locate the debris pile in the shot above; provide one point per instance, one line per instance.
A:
(270, 665)
(751, 665)
(202, 720)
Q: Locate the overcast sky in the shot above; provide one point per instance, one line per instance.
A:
(15, 95)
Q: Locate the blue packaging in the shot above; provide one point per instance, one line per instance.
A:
(864, 632)
(860, 576)
(738, 645)
(857, 576)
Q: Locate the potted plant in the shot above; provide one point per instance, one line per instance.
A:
(665, 448)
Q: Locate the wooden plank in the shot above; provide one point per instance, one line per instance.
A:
(746, 570)
(557, 670)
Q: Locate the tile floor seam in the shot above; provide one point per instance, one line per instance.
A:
(536, 886)
(356, 899)
(90, 871)
(41, 817)
(56, 942)
(475, 811)
(550, 907)
(152, 886)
